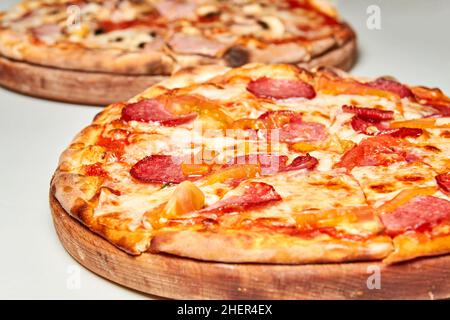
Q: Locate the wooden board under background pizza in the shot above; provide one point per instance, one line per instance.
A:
(100, 52)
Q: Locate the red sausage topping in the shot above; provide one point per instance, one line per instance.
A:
(392, 86)
(369, 117)
(255, 194)
(419, 214)
(291, 128)
(271, 163)
(443, 181)
(402, 132)
(153, 110)
(369, 114)
(281, 88)
(304, 131)
(158, 169)
(375, 151)
(361, 125)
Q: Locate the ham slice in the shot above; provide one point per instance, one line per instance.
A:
(196, 44)
(175, 9)
(47, 32)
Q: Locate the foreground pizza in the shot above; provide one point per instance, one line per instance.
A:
(267, 163)
(156, 37)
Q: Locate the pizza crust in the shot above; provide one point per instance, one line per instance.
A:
(234, 246)
(75, 57)
(77, 194)
(411, 246)
(343, 57)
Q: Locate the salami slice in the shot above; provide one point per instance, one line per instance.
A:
(375, 151)
(304, 131)
(361, 125)
(392, 86)
(302, 162)
(152, 110)
(158, 169)
(291, 128)
(419, 214)
(276, 119)
(281, 88)
(271, 163)
(255, 194)
(369, 114)
(370, 117)
(434, 98)
(402, 132)
(443, 181)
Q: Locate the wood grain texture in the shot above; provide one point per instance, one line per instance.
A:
(71, 86)
(179, 278)
(102, 89)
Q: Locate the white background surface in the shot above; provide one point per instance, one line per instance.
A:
(413, 45)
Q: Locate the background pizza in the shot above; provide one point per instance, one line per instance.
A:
(266, 163)
(90, 48)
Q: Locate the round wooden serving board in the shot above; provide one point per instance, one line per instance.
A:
(71, 86)
(179, 278)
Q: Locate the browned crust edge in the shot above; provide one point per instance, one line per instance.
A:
(77, 58)
(78, 196)
(235, 246)
(94, 88)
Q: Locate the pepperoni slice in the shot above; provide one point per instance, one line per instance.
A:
(434, 98)
(444, 111)
(271, 163)
(304, 131)
(290, 127)
(281, 88)
(370, 117)
(375, 151)
(443, 181)
(419, 214)
(158, 169)
(361, 125)
(402, 132)
(276, 119)
(255, 194)
(392, 86)
(302, 162)
(369, 114)
(153, 110)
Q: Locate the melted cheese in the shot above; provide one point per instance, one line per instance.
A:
(381, 184)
